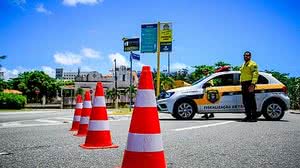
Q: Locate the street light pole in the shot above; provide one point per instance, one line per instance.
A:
(130, 91)
(116, 84)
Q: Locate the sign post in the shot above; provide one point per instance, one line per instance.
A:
(158, 61)
(131, 45)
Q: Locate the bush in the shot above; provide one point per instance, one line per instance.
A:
(12, 101)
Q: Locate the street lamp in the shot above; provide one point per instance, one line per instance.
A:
(116, 84)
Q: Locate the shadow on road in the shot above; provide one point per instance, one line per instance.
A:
(219, 119)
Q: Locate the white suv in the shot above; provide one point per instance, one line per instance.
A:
(225, 97)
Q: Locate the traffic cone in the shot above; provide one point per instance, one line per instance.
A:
(77, 114)
(144, 144)
(85, 115)
(98, 136)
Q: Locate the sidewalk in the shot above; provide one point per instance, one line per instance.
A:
(294, 111)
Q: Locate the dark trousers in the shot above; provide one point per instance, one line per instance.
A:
(249, 100)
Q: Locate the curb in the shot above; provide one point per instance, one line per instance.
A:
(295, 112)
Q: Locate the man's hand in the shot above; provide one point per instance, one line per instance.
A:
(251, 88)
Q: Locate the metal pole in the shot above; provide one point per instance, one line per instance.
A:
(130, 91)
(168, 63)
(158, 60)
(116, 84)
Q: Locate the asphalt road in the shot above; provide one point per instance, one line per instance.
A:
(42, 139)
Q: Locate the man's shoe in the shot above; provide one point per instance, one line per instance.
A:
(246, 119)
(205, 116)
(211, 115)
(253, 120)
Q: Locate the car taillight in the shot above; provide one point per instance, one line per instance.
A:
(284, 89)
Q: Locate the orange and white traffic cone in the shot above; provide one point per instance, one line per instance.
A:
(144, 144)
(85, 115)
(77, 114)
(98, 136)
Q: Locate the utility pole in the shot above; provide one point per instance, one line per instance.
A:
(116, 84)
(168, 63)
(130, 86)
(158, 61)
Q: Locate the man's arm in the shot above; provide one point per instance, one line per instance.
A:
(254, 70)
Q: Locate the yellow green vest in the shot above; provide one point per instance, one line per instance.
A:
(249, 72)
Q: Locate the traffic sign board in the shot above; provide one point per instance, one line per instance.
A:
(132, 44)
(165, 37)
(149, 38)
(135, 56)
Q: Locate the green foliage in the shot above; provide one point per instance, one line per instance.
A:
(79, 91)
(29, 82)
(292, 84)
(12, 101)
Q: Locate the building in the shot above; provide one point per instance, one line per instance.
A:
(88, 80)
(60, 74)
(1, 75)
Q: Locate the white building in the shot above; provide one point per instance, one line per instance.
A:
(1, 75)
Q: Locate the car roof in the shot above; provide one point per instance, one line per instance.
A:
(271, 79)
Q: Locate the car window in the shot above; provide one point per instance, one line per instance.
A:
(223, 80)
(262, 80)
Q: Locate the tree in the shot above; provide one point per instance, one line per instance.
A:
(112, 94)
(198, 73)
(221, 64)
(29, 82)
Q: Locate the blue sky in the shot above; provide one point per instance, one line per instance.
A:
(45, 35)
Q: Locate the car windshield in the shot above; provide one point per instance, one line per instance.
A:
(198, 81)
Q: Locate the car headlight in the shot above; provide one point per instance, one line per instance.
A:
(165, 95)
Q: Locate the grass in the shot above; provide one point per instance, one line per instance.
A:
(121, 111)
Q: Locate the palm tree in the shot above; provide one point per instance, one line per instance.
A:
(2, 58)
(166, 82)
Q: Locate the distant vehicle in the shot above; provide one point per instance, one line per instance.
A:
(225, 96)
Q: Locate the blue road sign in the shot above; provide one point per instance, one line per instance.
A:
(135, 56)
(149, 38)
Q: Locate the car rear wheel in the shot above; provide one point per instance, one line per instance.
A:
(184, 110)
(273, 110)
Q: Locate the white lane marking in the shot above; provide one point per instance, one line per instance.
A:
(19, 125)
(202, 126)
(46, 121)
(29, 112)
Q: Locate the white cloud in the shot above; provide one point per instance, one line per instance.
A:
(19, 2)
(41, 9)
(84, 2)
(120, 59)
(48, 70)
(90, 53)
(67, 58)
(8, 74)
(177, 66)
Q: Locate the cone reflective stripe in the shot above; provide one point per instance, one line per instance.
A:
(84, 120)
(144, 144)
(98, 135)
(98, 125)
(85, 114)
(87, 104)
(77, 114)
(76, 118)
(99, 101)
(145, 98)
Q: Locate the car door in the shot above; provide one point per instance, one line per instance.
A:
(262, 84)
(221, 97)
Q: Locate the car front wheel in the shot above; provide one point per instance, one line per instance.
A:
(184, 110)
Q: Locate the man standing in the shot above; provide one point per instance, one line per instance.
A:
(249, 77)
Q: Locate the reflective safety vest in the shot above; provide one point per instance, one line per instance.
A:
(249, 72)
